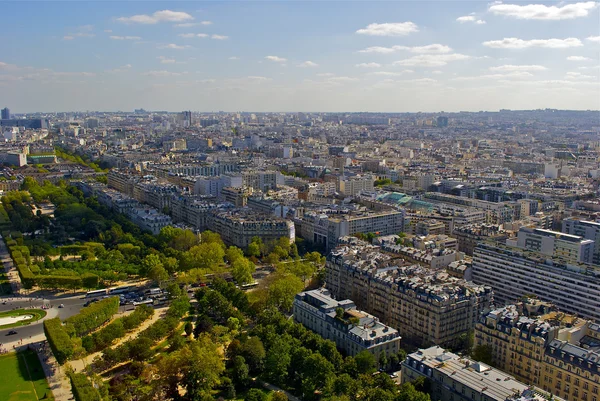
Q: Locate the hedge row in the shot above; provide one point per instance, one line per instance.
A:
(107, 335)
(30, 274)
(20, 255)
(83, 389)
(60, 343)
(92, 317)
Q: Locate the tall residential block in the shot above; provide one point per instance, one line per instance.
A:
(514, 273)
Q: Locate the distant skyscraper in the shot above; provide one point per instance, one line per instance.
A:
(5, 114)
(442, 121)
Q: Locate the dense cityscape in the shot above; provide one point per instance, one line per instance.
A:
(166, 252)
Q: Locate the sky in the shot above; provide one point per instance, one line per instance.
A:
(281, 56)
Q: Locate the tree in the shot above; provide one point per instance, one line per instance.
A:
(240, 372)
(254, 353)
(483, 353)
(207, 255)
(149, 262)
(278, 360)
(209, 237)
(278, 396)
(365, 362)
(383, 360)
(255, 394)
(253, 249)
(282, 288)
(158, 274)
(233, 253)
(242, 270)
(188, 328)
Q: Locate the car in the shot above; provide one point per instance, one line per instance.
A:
(11, 333)
(61, 306)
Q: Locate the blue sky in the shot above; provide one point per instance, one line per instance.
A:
(299, 56)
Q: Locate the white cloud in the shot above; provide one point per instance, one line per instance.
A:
(516, 43)
(578, 58)
(166, 60)
(122, 68)
(578, 75)
(466, 18)
(341, 79)
(325, 74)
(256, 78)
(163, 73)
(125, 37)
(510, 67)
(193, 35)
(437, 72)
(174, 46)
(108, 30)
(219, 37)
(192, 24)
(68, 37)
(589, 67)
(276, 59)
(389, 29)
(158, 16)
(391, 74)
(422, 80)
(308, 63)
(470, 18)
(431, 60)
(234, 58)
(543, 12)
(431, 49)
(509, 75)
(595, 39)
(368, 65)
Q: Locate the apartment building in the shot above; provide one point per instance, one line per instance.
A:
(514, 273)
(456, 378)
(352, 330)
(325, 228)
(496, 212)
(517, 338)
(586, 229)
(237, 227)
(469, 236)
(350, 186)
(570, 248)
(426, 306)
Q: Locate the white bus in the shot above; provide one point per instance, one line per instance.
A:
(120, 290)
(96, 293)
(248, 286)
(145, 302)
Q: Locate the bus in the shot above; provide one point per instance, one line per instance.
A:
(96, 293)
(246, 287)
(120, 290)
(145, 302)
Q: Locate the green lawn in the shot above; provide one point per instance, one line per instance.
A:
(23, 378)
(36, 313)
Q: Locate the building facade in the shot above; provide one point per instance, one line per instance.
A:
(515, 273)
(352, 330)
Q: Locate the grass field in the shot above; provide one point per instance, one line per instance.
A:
(36, 313)
(23, 378)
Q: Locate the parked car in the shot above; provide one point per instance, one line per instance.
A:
(11, 333)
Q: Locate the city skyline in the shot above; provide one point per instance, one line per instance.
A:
(300, 56)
